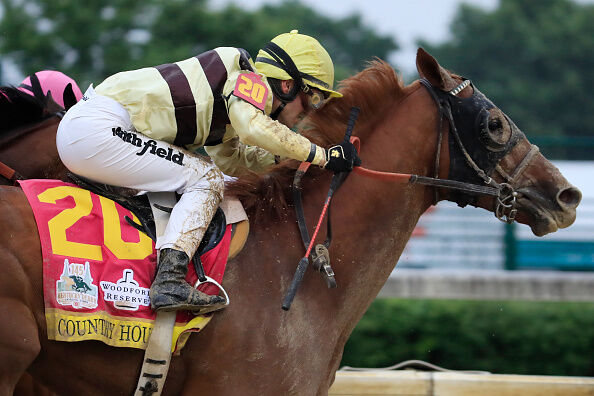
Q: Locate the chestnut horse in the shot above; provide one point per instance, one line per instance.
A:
(28, 136)
(253, 347)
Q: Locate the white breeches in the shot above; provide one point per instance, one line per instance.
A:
(96, 140)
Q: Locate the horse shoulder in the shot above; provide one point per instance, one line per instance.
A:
(21, 303)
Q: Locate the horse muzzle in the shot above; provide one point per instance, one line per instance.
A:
(545, 215)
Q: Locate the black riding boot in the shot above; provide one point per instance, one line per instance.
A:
(171, 292)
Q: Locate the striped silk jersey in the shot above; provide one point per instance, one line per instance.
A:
(187, 103)
(183, 102)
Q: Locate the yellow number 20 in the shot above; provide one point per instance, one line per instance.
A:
(112, 232)
(249, 89)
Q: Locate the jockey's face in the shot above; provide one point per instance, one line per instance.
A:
(294, 111)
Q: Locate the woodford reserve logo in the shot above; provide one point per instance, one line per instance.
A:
(75, 286)
(126, 293)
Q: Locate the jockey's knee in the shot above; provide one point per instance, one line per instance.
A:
(216, 180)
(206, 176)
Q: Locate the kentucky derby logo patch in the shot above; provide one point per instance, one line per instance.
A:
(251, 88)
(126, 293)
(75, 286)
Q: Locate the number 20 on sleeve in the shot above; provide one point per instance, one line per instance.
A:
(252, 89)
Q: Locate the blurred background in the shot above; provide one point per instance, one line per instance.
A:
(469, 292)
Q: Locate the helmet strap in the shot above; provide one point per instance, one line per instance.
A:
(277, 90)
(284, 61)
(274, 115)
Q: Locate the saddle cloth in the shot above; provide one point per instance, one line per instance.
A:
(97, 269)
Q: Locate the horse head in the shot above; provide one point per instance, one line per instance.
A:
(487, 149)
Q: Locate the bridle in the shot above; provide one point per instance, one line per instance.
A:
(466, 184)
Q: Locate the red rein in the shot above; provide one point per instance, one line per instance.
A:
(385, 176)
(378, 175)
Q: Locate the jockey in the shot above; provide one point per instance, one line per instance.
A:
(140, 129)
(52, 83)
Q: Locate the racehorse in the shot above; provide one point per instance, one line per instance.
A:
(439, 127)
(28, 136)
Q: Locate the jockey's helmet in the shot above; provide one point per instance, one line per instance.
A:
(298, 57)
(54, 82)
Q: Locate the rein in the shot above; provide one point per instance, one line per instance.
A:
(424, 180)
(10, 174)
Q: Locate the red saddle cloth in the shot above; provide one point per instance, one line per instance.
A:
(97, 269)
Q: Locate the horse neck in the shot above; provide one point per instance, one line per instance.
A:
(371, 222)
(382, 215)
(31, 150)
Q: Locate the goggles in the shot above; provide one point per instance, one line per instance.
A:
(315, 98)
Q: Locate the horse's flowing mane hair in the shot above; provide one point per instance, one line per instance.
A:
(18, 108)
(372, 90)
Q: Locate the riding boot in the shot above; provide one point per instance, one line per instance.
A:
(170, 291)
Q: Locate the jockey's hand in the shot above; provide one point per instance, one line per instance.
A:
(342, 157)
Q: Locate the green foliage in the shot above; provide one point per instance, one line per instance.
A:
(93, 40)
(535, 59)
(83, 40)
(537, 338)
(348, 41)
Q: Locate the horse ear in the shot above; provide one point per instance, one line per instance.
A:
(428, 68)
(51, 106)
(69, 97)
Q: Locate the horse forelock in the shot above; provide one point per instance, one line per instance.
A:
(373, 90)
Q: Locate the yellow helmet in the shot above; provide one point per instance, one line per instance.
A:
(298, 57)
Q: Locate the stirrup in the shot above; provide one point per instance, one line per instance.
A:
(211, 308)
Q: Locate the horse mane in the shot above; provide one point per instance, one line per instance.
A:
(19, 108)
(374, 89)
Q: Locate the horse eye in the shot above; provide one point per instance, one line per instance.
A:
(499, 130)
(495, 124)
(494, 129)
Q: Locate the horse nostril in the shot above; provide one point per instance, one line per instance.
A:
(569, 198)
